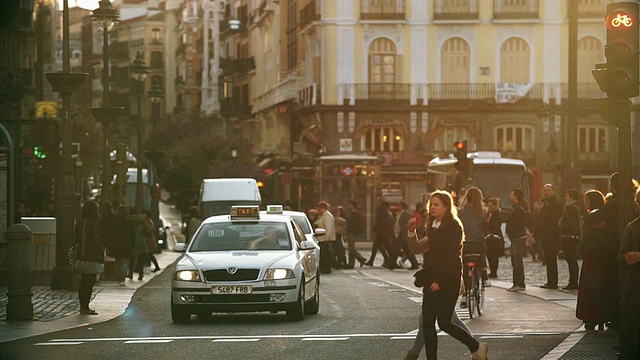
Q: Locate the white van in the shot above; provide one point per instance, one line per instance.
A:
(218, 195)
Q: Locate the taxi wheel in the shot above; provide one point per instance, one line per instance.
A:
(296, 311)
(313, 306)
(180, 314)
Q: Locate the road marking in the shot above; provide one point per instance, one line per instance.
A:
(61, 343)
(235, 340)
(564, 346)
(403, 338)
(147, 341)
(502, 337)
(325, 339)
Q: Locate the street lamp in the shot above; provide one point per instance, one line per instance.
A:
(105, 15)
(66, 83)
(155, 96)
(139, 72)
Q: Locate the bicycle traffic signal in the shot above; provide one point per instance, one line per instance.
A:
(38, 152)
(622, 54)
(460, 154)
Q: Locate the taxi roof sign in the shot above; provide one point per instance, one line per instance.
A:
(274, 209)
(245, 211)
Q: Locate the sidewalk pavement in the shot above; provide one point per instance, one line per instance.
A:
(56, 310)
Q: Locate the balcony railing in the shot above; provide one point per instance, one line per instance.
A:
(232, 108)
(231, 66)
(510, 9)
(456, 9)
(382, 9)
(311, 95)
(592, 8)
(500, 93)
(286, 89)
(309, 14)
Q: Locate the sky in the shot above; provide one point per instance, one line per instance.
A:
(85, 4)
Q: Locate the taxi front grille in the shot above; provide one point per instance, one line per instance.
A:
(232, 298)
(239, 275)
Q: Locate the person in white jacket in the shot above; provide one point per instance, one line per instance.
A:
(326, 221)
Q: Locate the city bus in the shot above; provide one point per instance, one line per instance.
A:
(493, 174)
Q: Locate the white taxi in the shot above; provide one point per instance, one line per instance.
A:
(245, 262)
(300, 217)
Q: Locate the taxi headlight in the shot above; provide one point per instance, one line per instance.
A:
(188, 275)
(277, 274)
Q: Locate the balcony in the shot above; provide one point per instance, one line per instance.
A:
(286, 89)
(382, 9)
(309, 14)
(237, 66)
(456, 9)
(592, 8)
(310, 96)
(510, 9)
(231, 108)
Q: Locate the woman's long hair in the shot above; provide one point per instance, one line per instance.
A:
(451, 213)
(595, 199)
(90, 210)
(473, 197)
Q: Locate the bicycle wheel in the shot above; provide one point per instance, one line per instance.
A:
(480, 296)
(471, 299)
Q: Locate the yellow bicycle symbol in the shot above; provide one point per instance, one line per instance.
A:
(621, 19)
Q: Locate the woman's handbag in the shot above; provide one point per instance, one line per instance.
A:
(80, 266)
(72, 254)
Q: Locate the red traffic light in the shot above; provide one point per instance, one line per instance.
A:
(619, 20)
(460, 145)
(260, 184)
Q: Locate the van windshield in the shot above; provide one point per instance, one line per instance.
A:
(212, 208)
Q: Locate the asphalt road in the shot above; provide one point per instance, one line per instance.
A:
(361, 317)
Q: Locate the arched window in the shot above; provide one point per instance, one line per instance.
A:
(514, 61)
(448, 135)
(456, 61)
(382, 61)
(590, 52)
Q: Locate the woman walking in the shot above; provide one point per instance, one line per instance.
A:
(121, 246)
(442, 272)
(140, 250)
(90, 258)
(150, 237)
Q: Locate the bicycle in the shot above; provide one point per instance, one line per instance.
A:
(475, 292)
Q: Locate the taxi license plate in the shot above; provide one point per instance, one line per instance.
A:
(231, 290)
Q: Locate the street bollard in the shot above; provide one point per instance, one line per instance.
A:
(19, 305)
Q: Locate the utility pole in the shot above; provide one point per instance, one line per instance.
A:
(572, 173)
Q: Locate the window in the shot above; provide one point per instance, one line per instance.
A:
(382, 139)
(448, 135)
(292, 35)
(514, 138)
(156, 60)
(382, 61)
(593, 139)
(589, 52)
(456, 60)
(155, 36)
(514, 61)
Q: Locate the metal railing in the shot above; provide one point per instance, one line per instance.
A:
(455, 9)
(510, 9)
(311, 95)
(382, 9)
(592, 8)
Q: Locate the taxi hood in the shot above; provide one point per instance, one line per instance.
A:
(240, 259)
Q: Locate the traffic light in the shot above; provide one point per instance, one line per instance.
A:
(622, 50)
(121, 165)
(38, 152)
(460, 154)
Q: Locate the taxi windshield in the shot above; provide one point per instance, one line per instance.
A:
(242, 236)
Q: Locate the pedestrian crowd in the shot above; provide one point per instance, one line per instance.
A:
(124, 234)
(583, 226)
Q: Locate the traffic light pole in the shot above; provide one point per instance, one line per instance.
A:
(625, 201)
(572, 173)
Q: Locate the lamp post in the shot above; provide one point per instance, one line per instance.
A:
(105, 15)
(66, 83)
(139, 71)
(155, 96)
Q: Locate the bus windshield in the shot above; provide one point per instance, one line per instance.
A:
(499, 180)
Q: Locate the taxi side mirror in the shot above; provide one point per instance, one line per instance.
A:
(180, 247)
(308, 245)
(320, 232)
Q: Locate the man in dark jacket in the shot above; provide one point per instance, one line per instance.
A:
(356, 229)
(383, 227)
(400, 244)
(570, 233)
(545, 230)
(517, 232)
